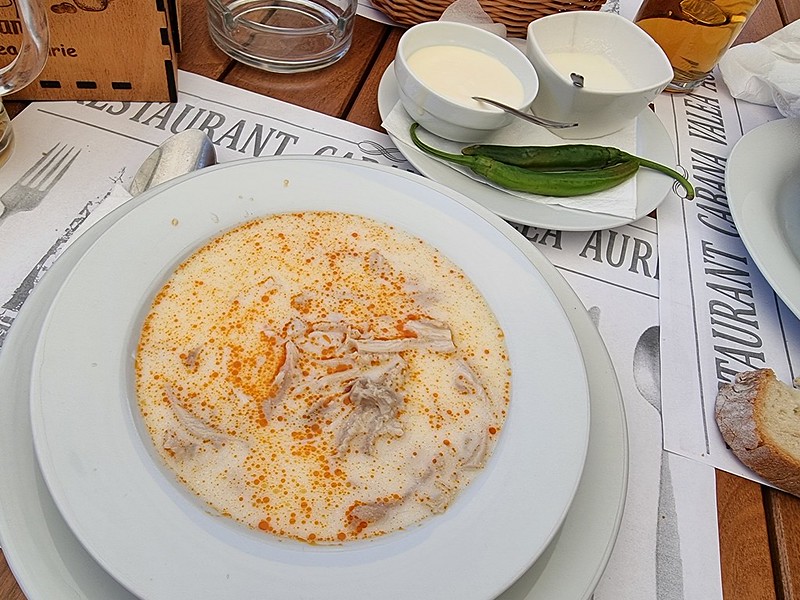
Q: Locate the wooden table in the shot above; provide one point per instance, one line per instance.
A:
(759, 528)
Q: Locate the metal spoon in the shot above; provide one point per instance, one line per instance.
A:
(526, 116)
(182, 153)
(669, 564)
(647, 366)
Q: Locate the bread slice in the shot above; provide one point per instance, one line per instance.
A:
(759, 418)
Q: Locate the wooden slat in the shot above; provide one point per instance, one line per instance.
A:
(330, 90)
(13, 108)
(198, 53)
(9, 590)
(365, 108)
(784, 522)
(765, 20)
(790, 10)
(744, 543)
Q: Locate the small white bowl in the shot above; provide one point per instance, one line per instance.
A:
(438, 112)
(616, 47)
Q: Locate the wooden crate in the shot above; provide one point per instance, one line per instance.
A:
(102, 50)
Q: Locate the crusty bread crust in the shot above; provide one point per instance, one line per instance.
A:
(740, 416)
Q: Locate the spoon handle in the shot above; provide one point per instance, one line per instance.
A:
(526, 116)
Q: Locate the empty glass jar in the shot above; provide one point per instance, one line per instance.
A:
(283, 36)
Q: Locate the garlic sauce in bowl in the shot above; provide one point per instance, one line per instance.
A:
(597, 71)
(440, 65)
(442, 69)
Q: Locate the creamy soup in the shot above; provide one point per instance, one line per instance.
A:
(599, 73)
(322, 376)
(459, 73)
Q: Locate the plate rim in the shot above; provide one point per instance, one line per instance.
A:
(560, 218)
(55, 467)
(769, 139)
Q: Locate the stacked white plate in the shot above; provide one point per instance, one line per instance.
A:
(87, 511)
(763, 186)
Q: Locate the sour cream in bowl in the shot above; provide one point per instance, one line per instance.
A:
(441, 65)
(620, 68)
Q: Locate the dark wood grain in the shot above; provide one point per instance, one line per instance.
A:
(790, 10)
(15, 107)
(364, 110)
(330, 90)
(198, 53)
(765, 20)
(745, 558)
(9, 590)
(784, 527)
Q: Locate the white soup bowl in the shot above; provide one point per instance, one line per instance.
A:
(626, 72)
(438, 112)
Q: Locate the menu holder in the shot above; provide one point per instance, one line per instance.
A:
(101, 50)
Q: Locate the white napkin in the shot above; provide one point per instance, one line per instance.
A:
(767, 72)
(619, 201)
(472, 13)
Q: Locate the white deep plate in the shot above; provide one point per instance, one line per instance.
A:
(762, 179)
(651, 187)
(147, 533)
(49, 562)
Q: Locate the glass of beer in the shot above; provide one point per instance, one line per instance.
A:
(694, 34)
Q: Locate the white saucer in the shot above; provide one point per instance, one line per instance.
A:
(49, 562)
(763, 183)
(653, 142)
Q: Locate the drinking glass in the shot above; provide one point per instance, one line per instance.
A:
(694, 34)
(27, 64)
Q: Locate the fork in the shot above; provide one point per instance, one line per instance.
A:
(30, 189)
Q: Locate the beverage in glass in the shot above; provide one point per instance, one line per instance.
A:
(694, 34)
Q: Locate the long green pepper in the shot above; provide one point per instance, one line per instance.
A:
(520, 179)
(566, 170)
(566, 157)
(570, 157)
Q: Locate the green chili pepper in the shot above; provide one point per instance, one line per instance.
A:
(550, 183)
(570, 157)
